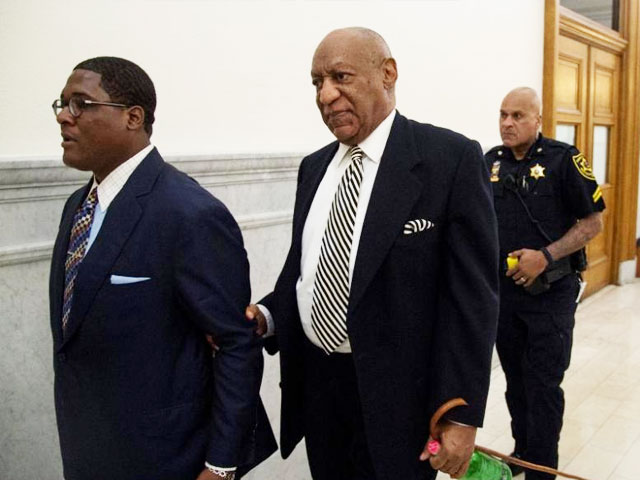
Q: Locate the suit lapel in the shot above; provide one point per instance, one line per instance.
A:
(122, 216)
(59, 258)
(395, 191)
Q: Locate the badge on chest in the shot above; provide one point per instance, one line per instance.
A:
(537, 171)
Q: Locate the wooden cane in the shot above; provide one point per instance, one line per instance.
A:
(459, 402)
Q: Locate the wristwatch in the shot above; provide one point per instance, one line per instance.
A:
(228, 474)
(547, 255)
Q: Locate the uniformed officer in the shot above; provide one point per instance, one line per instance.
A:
(548, 206)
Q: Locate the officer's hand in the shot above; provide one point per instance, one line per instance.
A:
(456, 446)
(253, 314)
(531, 263)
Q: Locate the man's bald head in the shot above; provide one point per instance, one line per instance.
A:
(355, 76)
(365, 40)
(528, 96)
(520, 120)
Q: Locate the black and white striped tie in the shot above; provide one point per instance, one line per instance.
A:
(331, 285)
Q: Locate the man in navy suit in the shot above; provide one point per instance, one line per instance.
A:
(408, 280)
(145, 265)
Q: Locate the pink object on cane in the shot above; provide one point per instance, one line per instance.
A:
(433, 447)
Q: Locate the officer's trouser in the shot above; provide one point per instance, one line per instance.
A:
(535, 349)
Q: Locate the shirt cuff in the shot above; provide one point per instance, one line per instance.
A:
(461, 424)
(271, 327)
(223, 469)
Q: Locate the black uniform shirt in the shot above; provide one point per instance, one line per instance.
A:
(556, 183)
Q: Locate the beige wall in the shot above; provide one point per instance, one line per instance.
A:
(233, 76)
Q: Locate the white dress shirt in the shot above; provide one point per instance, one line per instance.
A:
(109, 188)
(373, 147)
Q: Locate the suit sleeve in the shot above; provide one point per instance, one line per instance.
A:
(212, 277)
(467, 314)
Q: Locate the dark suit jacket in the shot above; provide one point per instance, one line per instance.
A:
(423, 307)
(137, 393)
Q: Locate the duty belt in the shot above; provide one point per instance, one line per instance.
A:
(558, 269)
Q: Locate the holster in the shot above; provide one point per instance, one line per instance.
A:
(557, 270)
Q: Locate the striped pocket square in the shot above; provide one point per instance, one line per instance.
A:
(418, 225)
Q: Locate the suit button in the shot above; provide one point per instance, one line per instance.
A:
(62, 357)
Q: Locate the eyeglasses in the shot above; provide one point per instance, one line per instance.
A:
(77, 105)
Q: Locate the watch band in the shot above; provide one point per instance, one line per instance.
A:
(228, 474)
(547, 255)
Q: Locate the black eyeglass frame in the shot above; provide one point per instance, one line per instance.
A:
(58, 105)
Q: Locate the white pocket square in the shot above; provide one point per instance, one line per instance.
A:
(122, 280)
(418, 225)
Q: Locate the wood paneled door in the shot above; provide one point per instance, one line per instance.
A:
(591, 97)
(587, 85)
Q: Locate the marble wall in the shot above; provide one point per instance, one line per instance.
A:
(259, 191)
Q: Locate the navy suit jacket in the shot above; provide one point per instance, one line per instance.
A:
(423, 307)
(137, 392)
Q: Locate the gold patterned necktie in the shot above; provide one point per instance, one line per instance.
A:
(77, 248)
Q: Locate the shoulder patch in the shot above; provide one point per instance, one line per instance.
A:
(583, 166)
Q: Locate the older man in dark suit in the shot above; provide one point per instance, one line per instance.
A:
(146, 264)
(387, 303)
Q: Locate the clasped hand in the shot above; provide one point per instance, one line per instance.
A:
(531, 263)
(252, 314)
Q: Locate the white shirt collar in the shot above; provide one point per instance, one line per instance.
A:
(373, 146)
(111, 185)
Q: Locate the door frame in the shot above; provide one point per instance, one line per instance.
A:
(560, 20)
